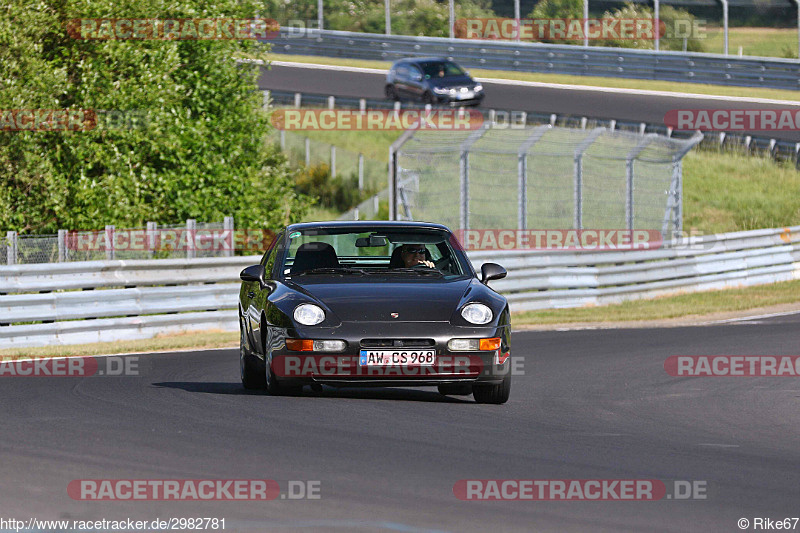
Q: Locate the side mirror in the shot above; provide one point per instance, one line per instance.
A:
(490, 271)
(254, 273)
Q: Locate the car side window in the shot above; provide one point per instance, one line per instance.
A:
(268, 260)
(402, 72)
(415, 73)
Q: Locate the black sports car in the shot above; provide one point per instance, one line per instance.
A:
(433, 80)
(373, 303)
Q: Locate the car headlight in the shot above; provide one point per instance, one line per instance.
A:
(440, 90)
(478, 88)
(476, 313)
(309, 314)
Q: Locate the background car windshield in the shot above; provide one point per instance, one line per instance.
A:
(448, 69)
(375, 250)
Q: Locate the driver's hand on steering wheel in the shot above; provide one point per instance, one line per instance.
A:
(428, 264)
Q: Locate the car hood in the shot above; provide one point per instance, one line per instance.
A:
(417, 300)
(454, 81)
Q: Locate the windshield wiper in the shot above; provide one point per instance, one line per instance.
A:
(332, 270)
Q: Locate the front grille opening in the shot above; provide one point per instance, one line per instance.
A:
(397, 343)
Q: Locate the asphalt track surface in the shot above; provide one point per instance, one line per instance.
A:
(592, 404)
(578, 102)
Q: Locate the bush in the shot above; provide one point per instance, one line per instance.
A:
(340, 193)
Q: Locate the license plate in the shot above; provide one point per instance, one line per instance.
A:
(397, 357)
(465, 96)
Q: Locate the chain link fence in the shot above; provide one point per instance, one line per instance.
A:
(192, 240)
(540, 177)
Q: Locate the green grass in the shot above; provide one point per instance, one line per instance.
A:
(763, 42)
(162, 343)
(593, 81)
(682, 306)
(733, 192)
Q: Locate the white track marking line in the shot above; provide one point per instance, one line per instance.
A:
(562, 86)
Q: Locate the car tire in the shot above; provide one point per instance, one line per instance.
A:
(428, 98)
(495, 394)
(455, 389)
(276, 388)
(251, 368)
(390, 93)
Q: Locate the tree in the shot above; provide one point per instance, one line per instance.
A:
(196, 150)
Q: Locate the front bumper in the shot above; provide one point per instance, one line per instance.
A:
(344, 368)
(454, 100)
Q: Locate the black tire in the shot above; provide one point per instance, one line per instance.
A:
(455, 389)
(251, 368)
(276, 388)
(495, 394)
(390, 93)
(428, 98)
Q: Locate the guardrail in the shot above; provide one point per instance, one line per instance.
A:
(747, 144)
(198, 294)
(551, 58)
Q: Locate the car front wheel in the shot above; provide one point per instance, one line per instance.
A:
(496, 394)
(250, 368)
(391, 94)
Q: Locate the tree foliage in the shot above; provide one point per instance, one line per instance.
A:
(200, 151)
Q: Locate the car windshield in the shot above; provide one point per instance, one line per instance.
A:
(372, 252)
(441, 69)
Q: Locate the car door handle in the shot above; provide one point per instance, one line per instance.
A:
(251, 294)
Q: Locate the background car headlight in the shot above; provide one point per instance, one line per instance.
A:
(476, 313)
(438, 90)
(478, 88)
(309, 314)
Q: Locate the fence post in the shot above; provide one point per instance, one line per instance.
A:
(308, 151)
(331, 102)
(62, 245)
(152, 235)
(11, 253)
(629, 185)
(228, 227)
(360, 172)
(333, 161)
(265, 101)
(578, 180)
(282, 136)
(110, 252)
(298, 99)
(522, 174)
(463, 171)
(191, 231)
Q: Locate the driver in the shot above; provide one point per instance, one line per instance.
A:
(413, 255)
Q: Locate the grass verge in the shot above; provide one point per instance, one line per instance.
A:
(687, 306)
(588, 81)
(188, 340)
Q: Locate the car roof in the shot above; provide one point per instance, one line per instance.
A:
(417, 60)
(358, 224)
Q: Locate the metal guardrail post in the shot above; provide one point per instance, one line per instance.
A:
(109, 236)
(298, 99)
(282, 137)
(152, 236)
(578, 181)
(308, 151)
(230, 241)
(360, 172)
(191, 233)
(333, 161)
(11, 247)
(522, 174)
(62, 245)
(331, 102)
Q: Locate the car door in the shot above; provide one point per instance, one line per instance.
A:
(416, 82)
(401, 81)
(256, 298)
